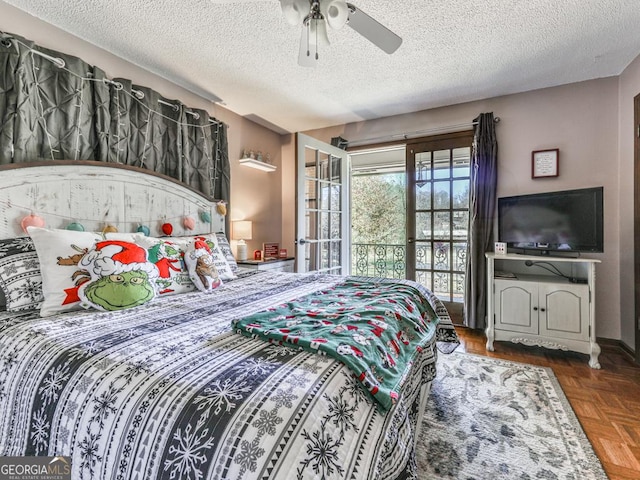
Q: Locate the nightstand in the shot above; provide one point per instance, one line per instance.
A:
(278, 265)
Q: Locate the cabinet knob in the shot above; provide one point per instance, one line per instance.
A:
(542, 309)
(535, 309)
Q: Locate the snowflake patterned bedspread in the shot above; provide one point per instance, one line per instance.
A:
(168, 390)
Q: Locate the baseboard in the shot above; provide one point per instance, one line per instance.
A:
(619, 344)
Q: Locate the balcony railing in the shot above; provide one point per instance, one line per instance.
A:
(433, 269)
(379, 260)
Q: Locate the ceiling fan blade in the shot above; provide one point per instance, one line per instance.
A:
(373, 30)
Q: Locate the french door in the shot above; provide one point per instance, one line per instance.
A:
(322, 219)
(438, 181)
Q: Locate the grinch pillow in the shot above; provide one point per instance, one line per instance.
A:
(121, 276)
(201, 266)
(181, 244)
(168, 256)
(59, 252)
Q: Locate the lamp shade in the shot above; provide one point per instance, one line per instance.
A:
(242, 230)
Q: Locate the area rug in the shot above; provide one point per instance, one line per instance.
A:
(496, 419)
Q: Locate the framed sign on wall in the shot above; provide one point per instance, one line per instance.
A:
(544, 163)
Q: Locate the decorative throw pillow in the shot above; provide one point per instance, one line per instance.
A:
(225, 248)
(182, 243)
(168, 256)
(121, 276)
(59, 252)
(219, 259)
(20, 278)
(201, 266)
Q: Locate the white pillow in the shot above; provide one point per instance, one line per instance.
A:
(59, 252)
(201, 266)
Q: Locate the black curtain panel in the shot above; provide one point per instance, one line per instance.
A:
(50, 111)
(482, 204)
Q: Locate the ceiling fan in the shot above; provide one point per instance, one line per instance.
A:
(315, 15)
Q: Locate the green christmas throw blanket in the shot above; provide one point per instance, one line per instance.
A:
(375, 328)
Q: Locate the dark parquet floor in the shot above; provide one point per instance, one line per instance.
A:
(606, 401)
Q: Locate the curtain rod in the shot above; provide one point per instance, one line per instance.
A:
(418, 133)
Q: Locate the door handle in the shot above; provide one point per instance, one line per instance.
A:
(411, 240)
(302, 241)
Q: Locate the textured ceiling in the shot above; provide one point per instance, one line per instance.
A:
(453, 51)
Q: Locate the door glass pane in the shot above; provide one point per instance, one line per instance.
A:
(423, 167)
(310, 171)
(441, 285)
(336, 166)
(423, 197)
(310, 162)
(335, 231)
(324, 255)
(324, 195)
(441, 164)
(461, 225)
(324, 225)
(441, 195)
(423, 255)
(424, 278)
(423, 226)
(461, 162)
(311, 229)
(336, 191)
(460, 256)
(461, 193)
(442, 225)
(323, 162)
(336, 259)
(310, 256)
(441, 256)
(458, 287)
(310, 194)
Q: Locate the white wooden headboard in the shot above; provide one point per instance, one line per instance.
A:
(96, 194)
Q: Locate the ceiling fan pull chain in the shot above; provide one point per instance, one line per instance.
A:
(316, 40)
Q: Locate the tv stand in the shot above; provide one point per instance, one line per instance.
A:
(548, 303)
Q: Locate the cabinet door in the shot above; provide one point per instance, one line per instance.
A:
(566, 311)
(514, 306)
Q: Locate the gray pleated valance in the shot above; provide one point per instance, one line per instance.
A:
(74, 112)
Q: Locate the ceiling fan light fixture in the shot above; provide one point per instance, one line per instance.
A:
(336, 12)
(294, 11)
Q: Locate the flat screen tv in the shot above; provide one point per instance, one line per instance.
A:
(568, 221)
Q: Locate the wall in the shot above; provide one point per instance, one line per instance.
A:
(255, 195)
(580, 119)
(628, 89)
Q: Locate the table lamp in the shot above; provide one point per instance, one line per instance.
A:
(241, 232)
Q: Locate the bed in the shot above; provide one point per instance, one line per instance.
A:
(170, 389)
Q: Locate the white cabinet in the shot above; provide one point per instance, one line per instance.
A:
(553, 310)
